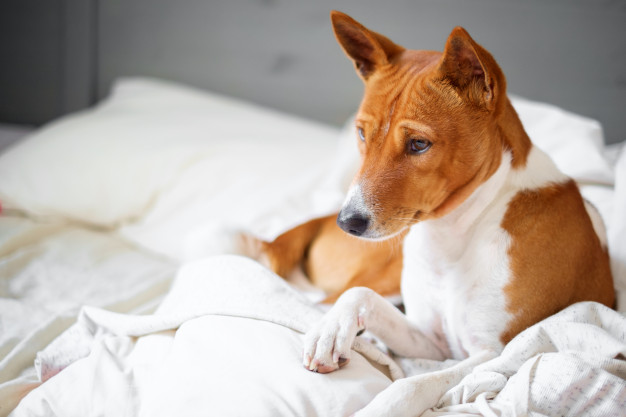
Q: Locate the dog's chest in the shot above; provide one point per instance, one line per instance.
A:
(453, 284)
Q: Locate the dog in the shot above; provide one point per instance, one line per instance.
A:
(495, 237)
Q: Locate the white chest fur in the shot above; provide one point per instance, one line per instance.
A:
(456, 267)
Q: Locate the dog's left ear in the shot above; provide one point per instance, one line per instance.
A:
(470, 68)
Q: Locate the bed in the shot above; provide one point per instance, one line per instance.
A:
(122, 293)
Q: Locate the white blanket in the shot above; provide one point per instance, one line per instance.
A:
(228, 334)
(227, 314)
(567, 365)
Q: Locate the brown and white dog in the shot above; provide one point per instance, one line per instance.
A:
(497, 238)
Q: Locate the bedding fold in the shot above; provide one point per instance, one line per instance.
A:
(48, 270)
(230, 304)
(171, 361)
(572, 363)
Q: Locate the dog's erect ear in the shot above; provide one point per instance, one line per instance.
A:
(369, 50)
(469, 67)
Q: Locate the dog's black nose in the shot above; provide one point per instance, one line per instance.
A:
(352, 222)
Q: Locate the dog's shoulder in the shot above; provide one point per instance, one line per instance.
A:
(557, 254)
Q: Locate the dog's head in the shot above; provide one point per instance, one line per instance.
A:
(428, 128)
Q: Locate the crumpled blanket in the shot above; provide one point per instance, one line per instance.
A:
(572, 363)
(225, 341)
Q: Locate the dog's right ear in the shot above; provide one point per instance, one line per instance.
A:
(469, 67)
(369, 50)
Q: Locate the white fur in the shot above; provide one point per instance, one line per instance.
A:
(455, 269)
(355, 201)
(597, 222)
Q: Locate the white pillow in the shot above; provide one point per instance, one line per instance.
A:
(106, 166)
(277, 188)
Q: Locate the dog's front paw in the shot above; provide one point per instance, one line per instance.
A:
(328, 344)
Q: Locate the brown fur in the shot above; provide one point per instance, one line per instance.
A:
(335, 261)
(542, 232)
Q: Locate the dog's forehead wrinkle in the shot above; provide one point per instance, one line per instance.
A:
(412, 103)
(396, 101)
(392, 108)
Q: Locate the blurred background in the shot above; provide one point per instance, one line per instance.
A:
(60, 56)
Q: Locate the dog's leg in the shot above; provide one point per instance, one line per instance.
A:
(327, 345)
(284, 253)
(384, 279)
(414, 395)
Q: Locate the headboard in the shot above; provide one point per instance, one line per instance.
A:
(63, 55)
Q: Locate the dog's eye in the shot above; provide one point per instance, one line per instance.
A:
(361, 134)
(419, 146)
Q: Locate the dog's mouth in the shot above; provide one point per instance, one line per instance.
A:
(400, 227)
(368, 220)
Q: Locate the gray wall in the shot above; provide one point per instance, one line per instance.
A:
(282, 53)
(48, 59)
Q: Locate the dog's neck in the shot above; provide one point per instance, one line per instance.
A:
(511, 146)
(512, 134)
(506, 132)
(459, 222)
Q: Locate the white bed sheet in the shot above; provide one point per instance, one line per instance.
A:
(102, 207)
(48, 271)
